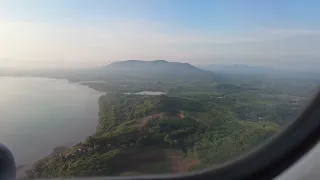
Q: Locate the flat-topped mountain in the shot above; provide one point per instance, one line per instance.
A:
(157, 69)
(156, 65)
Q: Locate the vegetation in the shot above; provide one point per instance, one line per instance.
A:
(200, 122)
(132, 124)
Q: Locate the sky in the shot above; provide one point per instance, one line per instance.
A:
(91, 33)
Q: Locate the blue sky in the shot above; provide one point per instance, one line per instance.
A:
(60, 33)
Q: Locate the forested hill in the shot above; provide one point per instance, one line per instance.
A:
(155, 134)
(157, 65)
(157, 69)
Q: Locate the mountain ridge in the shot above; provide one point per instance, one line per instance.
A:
(156, 69)
(237, 68)
(150, 63)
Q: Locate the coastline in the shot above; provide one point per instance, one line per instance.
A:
(21, 167)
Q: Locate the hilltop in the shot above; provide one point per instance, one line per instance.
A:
(158, 66)
(157, 69)
(136, 76)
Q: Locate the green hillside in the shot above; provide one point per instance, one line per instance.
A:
(155, 134)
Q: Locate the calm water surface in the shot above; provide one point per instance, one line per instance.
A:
(38, 114)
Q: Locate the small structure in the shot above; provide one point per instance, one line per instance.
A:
(181, 115)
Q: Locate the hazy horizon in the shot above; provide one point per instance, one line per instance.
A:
(80, 34)
(206, 66)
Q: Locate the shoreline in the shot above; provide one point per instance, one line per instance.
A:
(22, 167)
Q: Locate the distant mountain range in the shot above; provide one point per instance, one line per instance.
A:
(237, 68)
(265, 71)
(159, 69)
(242, 68)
